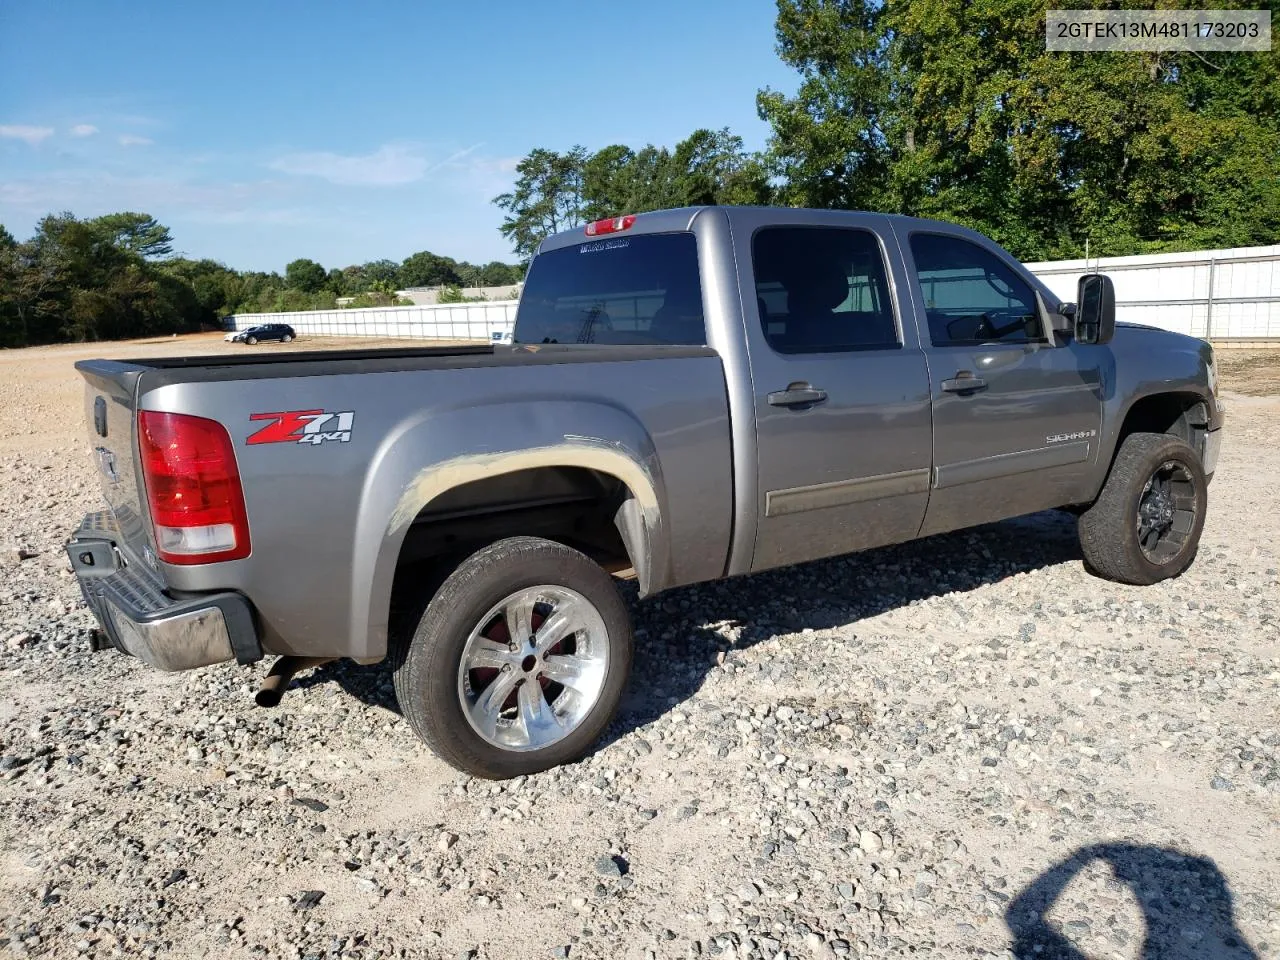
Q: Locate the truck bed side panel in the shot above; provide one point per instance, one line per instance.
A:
(327, 518)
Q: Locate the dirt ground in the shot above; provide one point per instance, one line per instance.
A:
(1252, 372)
(40, 392)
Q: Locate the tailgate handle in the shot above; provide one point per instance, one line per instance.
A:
(797, 395)
(963, 382)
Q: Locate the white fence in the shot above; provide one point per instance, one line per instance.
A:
(452, 321)
(1216, 294)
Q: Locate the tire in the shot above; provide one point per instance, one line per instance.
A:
(504, 721)
(251, 341)
(286, 338)
(1134, 499)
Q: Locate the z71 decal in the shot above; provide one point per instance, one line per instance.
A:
(303, 426)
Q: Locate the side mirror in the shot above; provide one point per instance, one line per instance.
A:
(1095, 315)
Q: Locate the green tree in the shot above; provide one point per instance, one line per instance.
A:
(381, 271)
(618, 180)
(353, 280)
(103, 278)
(336, 282)
(104, 288)
(546, 199)
(560, 191)
(136, 233)
(426, 269)
(712, 167)
(611, 182)
(35, 284)
(496, 274)
(828, 146)
(215, 287)
(954, 109)
(254, 292)
(305, 275)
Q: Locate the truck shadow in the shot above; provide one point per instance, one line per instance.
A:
(1185, 903)
(682, 633)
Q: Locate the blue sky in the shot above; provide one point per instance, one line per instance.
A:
(346, 132)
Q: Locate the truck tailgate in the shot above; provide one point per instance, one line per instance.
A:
(110, 390)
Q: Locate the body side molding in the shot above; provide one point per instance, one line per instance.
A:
(779, 503)
(1009, 464)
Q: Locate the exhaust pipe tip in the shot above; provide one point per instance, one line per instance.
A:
(268, 698)
(276, 682)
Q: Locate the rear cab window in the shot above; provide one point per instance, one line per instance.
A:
(641, 289)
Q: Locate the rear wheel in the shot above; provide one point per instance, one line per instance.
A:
(286, 338)
(1145, 525)
(519, 661)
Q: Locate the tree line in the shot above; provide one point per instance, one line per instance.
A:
(115, 276)
(950, 109)
(953, 109)
(558, 191)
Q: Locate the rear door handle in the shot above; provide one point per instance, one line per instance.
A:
(797, 395)
(963, 382)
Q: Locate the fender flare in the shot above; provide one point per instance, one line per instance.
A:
(459, 446)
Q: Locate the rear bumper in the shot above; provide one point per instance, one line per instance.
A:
(142, 620)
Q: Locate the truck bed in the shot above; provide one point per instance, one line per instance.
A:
(163, 371)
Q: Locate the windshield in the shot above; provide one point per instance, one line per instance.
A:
(642, 289)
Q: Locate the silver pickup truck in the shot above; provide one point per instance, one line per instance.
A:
(690, 394)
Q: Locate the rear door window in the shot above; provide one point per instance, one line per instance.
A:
(822, 290)
(641, 289)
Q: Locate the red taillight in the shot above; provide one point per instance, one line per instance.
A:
(193, 487)
(600, 227)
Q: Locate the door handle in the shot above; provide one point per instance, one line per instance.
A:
(963, 382)
(797, 395)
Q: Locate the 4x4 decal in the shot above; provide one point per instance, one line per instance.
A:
(303, 426)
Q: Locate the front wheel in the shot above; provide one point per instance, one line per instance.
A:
(251, 341)
(1145, 525)
(519, 661)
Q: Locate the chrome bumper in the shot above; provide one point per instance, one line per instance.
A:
(142, 620)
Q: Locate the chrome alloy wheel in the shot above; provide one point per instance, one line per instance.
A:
(533, 667)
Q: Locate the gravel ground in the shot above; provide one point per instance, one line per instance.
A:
(965, 746)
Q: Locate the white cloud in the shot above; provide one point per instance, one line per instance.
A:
(91, 193)
(32, 135)
(387, 166)
(132, 140)
(83, 130)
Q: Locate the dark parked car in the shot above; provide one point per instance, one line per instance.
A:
(268, 331)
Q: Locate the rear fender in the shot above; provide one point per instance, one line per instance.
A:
(440, 450)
